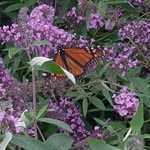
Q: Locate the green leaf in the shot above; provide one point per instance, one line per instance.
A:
(96, 144)
(30, 3)
(3, 2)
(117, 125)
(107, 96)
(143, 88)
(85, 107)
(105, 125)
(146, 136)
(16, 6)
(47, 65)
(133, 72)
(13, 7)
(56, 122)
(40, 43)
(102, 7)
(59, 142)
(28, 143)
(6, 140)
(51, 67)
(103, 70)
(102, 123)
(13, 51)
(140, 84)
(41, 112)
(138, 120)
(67, 4)
(116, 2)
(97, 102)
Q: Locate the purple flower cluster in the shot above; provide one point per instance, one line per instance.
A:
(5, 80)
(95, 20)
(113, 18)
(97, 133)
(10, 120)
(8, 116)
(43, 14)
(40, 26)
(12, 102)
(72, 12)
(72, 15)
(66, 110)
(126, 103)
(122, 57)
(125, 60)
(10, 34)
(72, 116)
(137, 31)
(12, 108)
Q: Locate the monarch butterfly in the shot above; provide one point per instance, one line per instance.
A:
(76, 60)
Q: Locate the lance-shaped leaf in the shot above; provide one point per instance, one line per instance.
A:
(59, 141)
(138, 120)
(56, 122)
(96, 144)
(6, 140)
(28, 143)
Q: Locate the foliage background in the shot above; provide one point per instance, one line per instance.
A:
(93, 92)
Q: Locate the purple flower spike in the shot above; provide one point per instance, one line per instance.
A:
(95, 21)
(40, 26)
(5, 79)
(71, 116)
(126, 103)
(137, 31)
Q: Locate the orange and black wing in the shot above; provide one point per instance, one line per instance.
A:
(75, 60)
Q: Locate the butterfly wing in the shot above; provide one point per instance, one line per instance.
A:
(83, 56)
(75, 60)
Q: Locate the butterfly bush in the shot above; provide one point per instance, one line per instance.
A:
(5, 80)
(113, 18)
(11, 115)
(95, 20)
(122, 57)
(137, 31)
(138, 34)
(43, 14)
(13, 98)
(72, 116)
(40, 26)
(126, 103)
(72, 15)
(67, 111)
(72, 12)
(8, 115)
(97, 133)
(135, 36)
